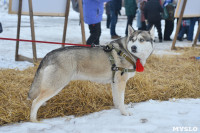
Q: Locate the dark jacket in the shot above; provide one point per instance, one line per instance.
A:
(116, 5)
(130, 7)
(152, 11)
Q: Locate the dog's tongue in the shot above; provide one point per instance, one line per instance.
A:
(139, 66)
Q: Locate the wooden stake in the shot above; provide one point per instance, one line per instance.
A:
(178, 25)
(32, 31)
(18, 30)
(66, 21)
(82, 21)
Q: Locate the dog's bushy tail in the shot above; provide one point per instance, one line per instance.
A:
(35, 87)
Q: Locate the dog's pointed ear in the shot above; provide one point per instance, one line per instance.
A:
(151, 31)
(130, 30)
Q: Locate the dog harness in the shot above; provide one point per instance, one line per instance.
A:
(136, 66)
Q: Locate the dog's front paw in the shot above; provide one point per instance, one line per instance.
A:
(126, 113)
(35, 121)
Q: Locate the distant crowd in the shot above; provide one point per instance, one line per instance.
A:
(146, 12)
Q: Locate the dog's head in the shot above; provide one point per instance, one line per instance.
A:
(140, 43)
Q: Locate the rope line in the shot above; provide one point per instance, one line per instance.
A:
(24, 40)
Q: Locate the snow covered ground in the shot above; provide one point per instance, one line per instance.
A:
(148, 117)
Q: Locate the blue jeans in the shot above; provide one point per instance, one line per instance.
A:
(191, 28)
(184, 29)
(113, 22)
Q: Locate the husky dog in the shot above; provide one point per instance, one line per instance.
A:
(62, 65)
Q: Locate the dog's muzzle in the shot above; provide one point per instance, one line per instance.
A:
(134, 49)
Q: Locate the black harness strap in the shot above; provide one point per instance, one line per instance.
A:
(114, 68)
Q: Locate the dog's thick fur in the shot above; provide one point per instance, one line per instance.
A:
(61, 66)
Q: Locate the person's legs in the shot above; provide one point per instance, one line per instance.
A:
(158, 27)
(169, 27)
(97, 42)
(129, 22)
(144, 26)
(108, 21)
(95, 33)
(187, 29)
(198, 24)
(181, 33)
(199, 37)
(1, 28)
(166, 31)
(149, 25)
(113, 22)
(191, 28)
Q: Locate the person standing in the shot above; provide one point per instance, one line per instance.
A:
(169, 22)
(152, 12)
(130, 8)
(142, 19)
(107, 6)
(115, 7)
(191, 28)
(92, 12)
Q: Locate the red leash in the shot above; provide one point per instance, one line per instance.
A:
(23, 40)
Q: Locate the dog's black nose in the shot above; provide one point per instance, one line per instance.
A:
(134, 49)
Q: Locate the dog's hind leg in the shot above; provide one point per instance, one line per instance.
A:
(53, 81)
(42, 98)
(118, 91)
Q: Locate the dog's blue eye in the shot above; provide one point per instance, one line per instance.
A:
(141, 40)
